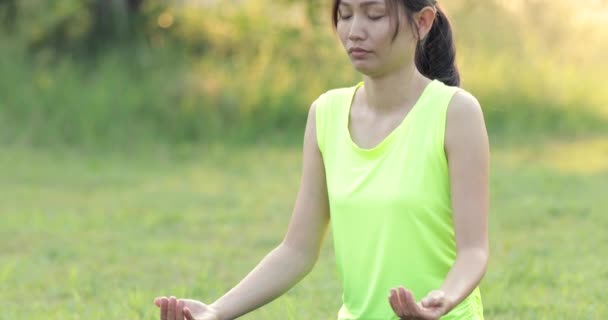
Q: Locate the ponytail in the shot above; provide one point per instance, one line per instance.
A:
(436, 53)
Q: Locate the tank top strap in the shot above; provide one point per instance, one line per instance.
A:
(330, 109)
(431, 120)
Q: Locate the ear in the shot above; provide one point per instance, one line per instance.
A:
(424, 20)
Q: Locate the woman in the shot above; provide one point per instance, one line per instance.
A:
(398, 166)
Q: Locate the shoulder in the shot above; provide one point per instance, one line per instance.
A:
(335, 96)
(463, 103)
(329, 101)
(320, 106)
(464, 110)
(324, 111)
(465, 121)
(340, 91)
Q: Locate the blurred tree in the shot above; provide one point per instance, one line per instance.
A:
(114, 17)
(112, 20)
(91, 26)
(8, 14)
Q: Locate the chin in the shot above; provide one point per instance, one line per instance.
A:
(369, 72)
(375, 68)
(365, 67)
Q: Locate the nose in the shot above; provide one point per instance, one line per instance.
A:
(357, 30)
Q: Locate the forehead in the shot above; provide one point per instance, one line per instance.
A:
(362, 3)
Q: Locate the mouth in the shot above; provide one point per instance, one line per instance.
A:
(358, 53)
(358, 50)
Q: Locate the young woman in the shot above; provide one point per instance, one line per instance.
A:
(397, 165)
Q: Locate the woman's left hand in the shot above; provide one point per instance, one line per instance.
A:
(431, 307)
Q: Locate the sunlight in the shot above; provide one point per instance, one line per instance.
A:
(593, 12)
(588, 156)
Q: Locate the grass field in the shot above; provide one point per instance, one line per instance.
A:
(99, 236)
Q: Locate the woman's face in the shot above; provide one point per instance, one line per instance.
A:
(366, 32)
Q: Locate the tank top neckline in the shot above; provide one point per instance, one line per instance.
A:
(384, 143)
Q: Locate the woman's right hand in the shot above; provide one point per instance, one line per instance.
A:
(180, 309)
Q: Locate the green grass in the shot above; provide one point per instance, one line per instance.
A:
(98, 236)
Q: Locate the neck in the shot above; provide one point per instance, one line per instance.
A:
(394, 90)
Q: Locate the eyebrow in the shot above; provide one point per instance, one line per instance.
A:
(363, 4)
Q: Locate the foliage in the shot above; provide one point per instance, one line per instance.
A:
(249, 70)
(75, 27)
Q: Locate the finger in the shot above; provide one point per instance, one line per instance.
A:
(188, 314)
(401, 302)
(433, 303)
(171, 311)
(417, 311)
(179, 310)
(158, 301)
(425, 301)
(392, 299)
(409, 302)
(428, 302)
(164, 306)
(433, 299)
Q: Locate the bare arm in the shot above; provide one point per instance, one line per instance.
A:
(467, 148)
(295, 256)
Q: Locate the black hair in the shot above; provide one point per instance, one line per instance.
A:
(435, 54)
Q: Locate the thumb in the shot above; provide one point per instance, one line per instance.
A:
(203, 313)
(433, 299)
(157, 301)
(188, 314)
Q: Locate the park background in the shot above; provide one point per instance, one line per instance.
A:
(153, 147)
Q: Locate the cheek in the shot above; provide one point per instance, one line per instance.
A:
(382, 36)
(404, 44)
(342, 32)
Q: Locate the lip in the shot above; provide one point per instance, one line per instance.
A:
(358, 52)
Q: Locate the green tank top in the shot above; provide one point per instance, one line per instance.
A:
(390, 208)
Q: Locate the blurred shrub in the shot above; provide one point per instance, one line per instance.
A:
(79, 28)
(536, 66)
(8, 14)
(202, 74)
(249, 70)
